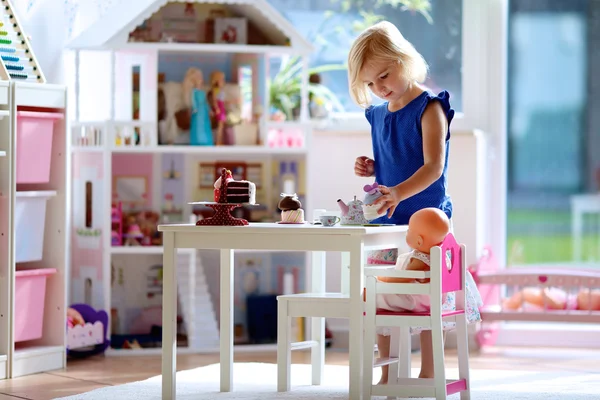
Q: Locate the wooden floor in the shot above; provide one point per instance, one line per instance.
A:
(85, 375)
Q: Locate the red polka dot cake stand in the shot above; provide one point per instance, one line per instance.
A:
(222, 216)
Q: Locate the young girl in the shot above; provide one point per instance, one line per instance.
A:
(410, 134)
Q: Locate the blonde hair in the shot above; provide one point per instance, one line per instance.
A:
(380, 43)
(216, 76)
(193, 78)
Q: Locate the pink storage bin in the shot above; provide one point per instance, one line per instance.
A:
(30, 298)
(34, 145)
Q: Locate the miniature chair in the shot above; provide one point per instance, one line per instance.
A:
(447, 274)
(318, 306)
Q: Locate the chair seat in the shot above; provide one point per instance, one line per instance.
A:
(417, 314)
(325, 305)
(314, 296)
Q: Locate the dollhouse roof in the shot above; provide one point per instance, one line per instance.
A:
(111, 31)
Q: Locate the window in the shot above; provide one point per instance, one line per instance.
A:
(553, 135)
(435, 30)
(88, 204)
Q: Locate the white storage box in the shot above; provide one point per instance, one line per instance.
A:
(30, 221)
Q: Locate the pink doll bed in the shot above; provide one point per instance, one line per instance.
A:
(534, 295)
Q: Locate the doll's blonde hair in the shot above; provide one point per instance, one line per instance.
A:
(216, 76)
(382, 42)
(193, 78)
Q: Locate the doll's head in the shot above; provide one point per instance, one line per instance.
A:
(194, 79)
(427, 228)
(217, 79)
(382, 61)
(588, 300)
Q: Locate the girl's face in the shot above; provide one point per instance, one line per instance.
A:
(385, 80)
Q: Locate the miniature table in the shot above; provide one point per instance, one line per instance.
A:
(270, 236)
(580, 205)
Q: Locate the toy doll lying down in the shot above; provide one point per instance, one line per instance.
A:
(536, 298)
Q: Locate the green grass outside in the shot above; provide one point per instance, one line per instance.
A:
(544, 244)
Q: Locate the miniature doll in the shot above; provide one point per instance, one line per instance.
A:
(195, 97)
(553, 299)
(217, 103)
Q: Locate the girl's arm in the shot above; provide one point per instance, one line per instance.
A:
(434, 127)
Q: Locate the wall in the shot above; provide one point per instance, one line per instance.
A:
(135, 165)
(86, 249)
(174, 65)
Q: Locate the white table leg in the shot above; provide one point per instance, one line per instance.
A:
(169, 316)
(226, 323)
(356, 319)
(345, 273)
(317, 353)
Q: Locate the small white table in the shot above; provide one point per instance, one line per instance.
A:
(580, 205)
(270, 236)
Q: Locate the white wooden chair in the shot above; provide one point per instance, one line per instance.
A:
(447, 275)
(318, 306)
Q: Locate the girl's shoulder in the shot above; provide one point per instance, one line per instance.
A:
(375, 111)
(443, 98)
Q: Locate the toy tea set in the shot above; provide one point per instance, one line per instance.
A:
(230, 194)
(358, 212)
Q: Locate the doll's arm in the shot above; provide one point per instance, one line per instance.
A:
(413, 265)
(554, 299)
(194, 103)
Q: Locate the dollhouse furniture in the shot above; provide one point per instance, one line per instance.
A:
(34, 189)
(128, 47)
(272, 236)
(498, 282)
(448, 267)
(91, 338)
(582, 204)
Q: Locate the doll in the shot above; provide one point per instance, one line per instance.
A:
(553, 299)
(195, 98)
(427, 228)
(217, 103)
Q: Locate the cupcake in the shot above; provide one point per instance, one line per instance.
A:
(291, 209)
(372, 193)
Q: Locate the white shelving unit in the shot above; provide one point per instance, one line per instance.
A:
(110, 35)
(23, 89)
(48, 352)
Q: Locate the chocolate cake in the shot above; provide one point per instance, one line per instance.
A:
(241, 192)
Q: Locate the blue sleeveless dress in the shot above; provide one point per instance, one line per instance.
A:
(398, 154)
(200, 129)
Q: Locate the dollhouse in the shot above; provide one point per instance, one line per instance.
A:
(34, 193)
(166, 94)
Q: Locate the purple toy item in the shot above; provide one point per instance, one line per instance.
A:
(90, 315)
(372, 193)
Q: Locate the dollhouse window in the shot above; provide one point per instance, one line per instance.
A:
(245, 82)
(88, 204)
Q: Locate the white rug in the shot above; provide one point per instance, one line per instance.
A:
(258, 381)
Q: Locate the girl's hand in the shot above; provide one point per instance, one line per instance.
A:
(364, 167)
(389, 201)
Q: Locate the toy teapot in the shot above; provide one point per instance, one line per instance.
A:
(352, 213)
